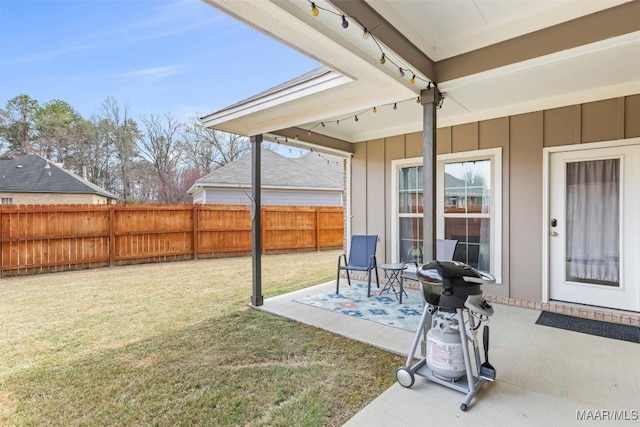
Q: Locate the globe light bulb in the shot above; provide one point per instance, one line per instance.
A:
(395, 105)
(375, 110)
(365, 34)
(412, 80)
(345, 23)
(383, 59)
(401, 72)
(314, 9)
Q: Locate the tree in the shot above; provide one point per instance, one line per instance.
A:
(208, 149)
(17, 125)
(56, 124)
(119, 133)
(161, 147)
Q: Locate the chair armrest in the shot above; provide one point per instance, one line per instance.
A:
(343, 257)
(372, 261)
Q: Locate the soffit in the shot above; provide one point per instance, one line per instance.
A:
(412, 34)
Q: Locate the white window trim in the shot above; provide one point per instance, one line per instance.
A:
(493, 154)
(396, 165)
(546, 183)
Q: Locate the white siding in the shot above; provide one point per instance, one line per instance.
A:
(277, 197)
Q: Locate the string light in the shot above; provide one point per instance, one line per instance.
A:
(402, 69)
(367, 34)
(357, 115)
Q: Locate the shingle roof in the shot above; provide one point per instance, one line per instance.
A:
(34, 174)
(308, 171)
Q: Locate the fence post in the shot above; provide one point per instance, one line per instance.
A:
(317, 228)
(263, 211)
(112, 235)
(195, 237)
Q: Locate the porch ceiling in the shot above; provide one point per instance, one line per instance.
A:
(490, 57)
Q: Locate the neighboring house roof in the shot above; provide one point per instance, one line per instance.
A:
(35, 174)
(459, 187)
(308, 171)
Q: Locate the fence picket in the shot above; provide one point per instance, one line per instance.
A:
(45, 238)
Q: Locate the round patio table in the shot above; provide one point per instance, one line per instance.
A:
(392, 274)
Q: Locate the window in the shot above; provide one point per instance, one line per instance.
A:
(7, 201)
(468, 208)
(467, 211)
(410, 213)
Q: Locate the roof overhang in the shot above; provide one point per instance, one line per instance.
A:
(490, 58)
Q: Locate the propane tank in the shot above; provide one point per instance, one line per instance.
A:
(444, 347)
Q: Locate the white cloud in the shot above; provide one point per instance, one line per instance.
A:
(154, 73)
(173, 18)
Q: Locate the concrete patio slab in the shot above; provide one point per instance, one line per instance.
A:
(545, 376)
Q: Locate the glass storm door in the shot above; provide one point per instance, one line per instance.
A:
(594, 227)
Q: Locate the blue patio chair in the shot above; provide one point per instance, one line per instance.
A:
(445, 249)
(362, 257)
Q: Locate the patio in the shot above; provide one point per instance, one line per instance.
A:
(545, 376)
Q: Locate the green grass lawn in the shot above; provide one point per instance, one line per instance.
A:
(175, 344)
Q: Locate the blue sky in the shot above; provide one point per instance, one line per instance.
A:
(182, 57)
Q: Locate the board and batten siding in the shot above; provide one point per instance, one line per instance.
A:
(276, 197)
(522, 139)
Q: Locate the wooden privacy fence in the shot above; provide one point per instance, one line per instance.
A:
(45, 238)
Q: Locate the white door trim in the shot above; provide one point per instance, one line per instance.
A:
(546, 158)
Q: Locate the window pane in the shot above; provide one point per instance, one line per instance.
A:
(410, 190)
(411, 240)
(467, 187)
(593, 222)
(474, 240)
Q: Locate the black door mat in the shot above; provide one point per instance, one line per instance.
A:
(590, 326)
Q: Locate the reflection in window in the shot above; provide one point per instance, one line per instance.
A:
(467, 203)
(468, 208)
(410, 213)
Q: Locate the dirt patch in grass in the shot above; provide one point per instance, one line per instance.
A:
(175, 344)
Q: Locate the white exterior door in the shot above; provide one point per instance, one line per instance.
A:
(594, 226)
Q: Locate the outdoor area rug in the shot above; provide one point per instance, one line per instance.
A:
(384, 308)
(590, 326)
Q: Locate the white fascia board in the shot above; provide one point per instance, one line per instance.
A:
(294, 93)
